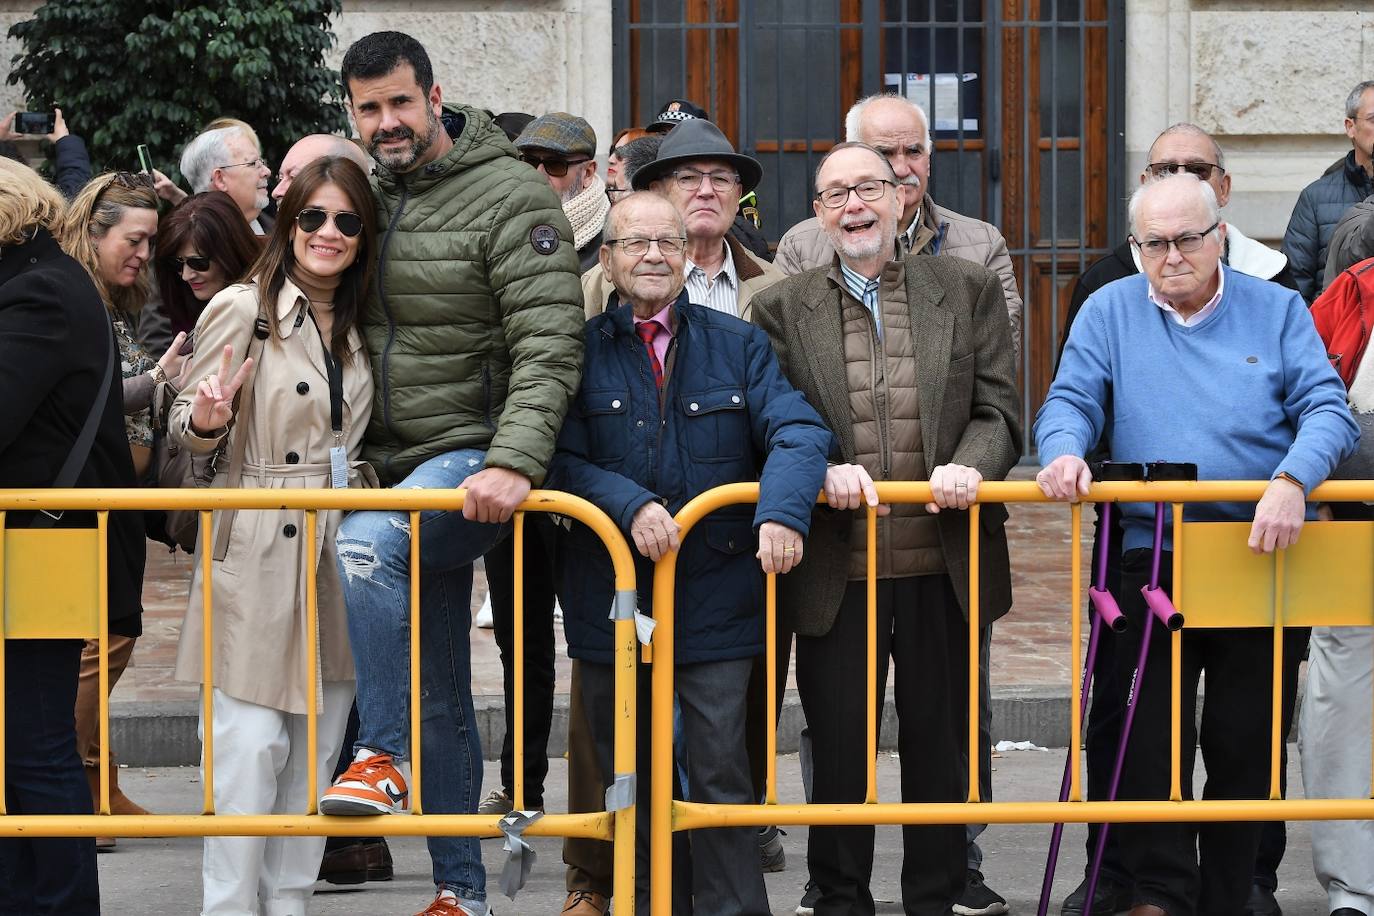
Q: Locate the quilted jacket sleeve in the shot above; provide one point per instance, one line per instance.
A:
(1301, 245)
(539, 300)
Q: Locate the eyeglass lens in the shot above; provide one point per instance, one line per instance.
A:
(312, 219)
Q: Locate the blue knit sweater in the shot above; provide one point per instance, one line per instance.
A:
(1245, 394)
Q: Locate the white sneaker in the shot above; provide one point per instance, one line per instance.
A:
(483, 618)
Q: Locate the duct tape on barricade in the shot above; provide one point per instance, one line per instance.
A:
(621, 793)
(520, 855)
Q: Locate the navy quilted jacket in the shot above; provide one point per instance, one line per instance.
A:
(729, 417)
(1320, 206)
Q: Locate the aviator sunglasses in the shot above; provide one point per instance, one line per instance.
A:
(312, 218)
(197, 262)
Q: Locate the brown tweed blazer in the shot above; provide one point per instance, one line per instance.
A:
(970, 413)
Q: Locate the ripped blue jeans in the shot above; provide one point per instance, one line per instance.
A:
(374, 567)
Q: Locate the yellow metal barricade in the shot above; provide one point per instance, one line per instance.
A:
(1326, 579)
(54, 585)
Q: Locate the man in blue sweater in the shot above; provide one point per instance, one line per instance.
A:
(1191, 361)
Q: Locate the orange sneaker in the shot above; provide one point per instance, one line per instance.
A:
(371, 785)
(446, 904)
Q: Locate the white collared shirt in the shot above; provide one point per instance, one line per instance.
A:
(1197, 317)
(720, 292)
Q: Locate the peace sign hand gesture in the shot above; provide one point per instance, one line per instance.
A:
(212, 406)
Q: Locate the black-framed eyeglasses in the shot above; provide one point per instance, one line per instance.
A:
(691, 179)
(311, 219)
(554, 167)
(1199, 170)
(1186, 243)
(197, 262)
(256, 163)
(834, 198)
(672, 246)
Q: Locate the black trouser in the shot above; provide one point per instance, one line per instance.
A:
(539, 650)
(1193, 868)
(598, 702)
(921, 628)
(1104, 733)
(44, 775)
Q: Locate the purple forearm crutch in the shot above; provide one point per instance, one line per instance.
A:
(1104, 607)
(1159, 605)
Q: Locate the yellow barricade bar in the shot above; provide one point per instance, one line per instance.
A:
(1288, 588)
(618, 827)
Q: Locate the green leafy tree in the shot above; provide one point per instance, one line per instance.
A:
(126, 72)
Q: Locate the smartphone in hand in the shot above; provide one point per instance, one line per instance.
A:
(35, 122)
(145, 161)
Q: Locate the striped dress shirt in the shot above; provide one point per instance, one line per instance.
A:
(864, 290)
(720, 292)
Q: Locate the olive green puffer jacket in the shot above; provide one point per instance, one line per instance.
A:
(475, 333)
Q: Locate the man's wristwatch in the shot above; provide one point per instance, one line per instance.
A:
(1284, 475)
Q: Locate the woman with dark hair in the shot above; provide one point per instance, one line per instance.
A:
(280, 386)
(203, 245)
(55, 356)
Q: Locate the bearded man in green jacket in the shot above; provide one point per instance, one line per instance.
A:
(474, 328)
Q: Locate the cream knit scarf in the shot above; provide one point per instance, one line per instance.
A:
(587, 212)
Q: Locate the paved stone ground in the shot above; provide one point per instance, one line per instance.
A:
(161, 877)
(1030, 648)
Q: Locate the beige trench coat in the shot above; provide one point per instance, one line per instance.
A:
(259, 587)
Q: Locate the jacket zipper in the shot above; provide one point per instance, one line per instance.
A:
(880, 404)
(386, 310)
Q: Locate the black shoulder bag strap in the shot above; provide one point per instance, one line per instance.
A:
(81, 449)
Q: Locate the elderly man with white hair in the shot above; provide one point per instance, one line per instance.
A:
(1192, 361)
(228, 159)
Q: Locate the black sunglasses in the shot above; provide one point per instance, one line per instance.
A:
(553, 166)
(197, 262)
(312, 218)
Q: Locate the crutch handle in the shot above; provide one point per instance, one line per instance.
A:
(1107, 609)
(1162, 607)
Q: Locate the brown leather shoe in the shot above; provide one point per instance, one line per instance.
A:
(585, 903)
(119, 802)
(1148, 909)
(356, 863)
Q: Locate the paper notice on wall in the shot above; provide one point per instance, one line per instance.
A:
(946, 89)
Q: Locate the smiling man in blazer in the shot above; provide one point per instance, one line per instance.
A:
(910, 364)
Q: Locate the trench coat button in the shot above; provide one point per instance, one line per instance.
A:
(303, 388)
(694, 405)
(292, 458)
(734, 399)
(732, 544)
(289, 531)
(639, 423)
(615, 405)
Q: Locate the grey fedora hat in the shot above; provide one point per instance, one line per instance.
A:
(697, 139)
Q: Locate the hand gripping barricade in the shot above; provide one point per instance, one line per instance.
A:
(38, 603)
(1106, 613)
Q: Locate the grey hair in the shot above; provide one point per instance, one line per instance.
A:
(1352, 101)
(1209, 197)
(851, 144)
(855, 115)
(205, 153)
(1183, 127)
(636, 154)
